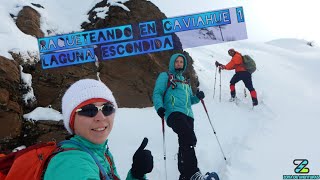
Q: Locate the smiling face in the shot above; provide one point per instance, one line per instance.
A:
(178, 64)
(95, 129)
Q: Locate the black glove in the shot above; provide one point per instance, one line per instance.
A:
(200, 94)
(218, 64)
(222, 67)
(161, 111)
(142, 161)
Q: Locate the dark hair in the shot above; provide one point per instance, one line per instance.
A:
(180, 56)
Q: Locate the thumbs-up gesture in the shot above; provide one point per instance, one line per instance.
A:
(142, 161)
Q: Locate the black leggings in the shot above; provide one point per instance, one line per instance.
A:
(183, 126)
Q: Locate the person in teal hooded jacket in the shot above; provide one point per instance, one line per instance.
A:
(88, 109)
(174, 104)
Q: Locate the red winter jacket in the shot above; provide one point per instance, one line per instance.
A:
(236, 63)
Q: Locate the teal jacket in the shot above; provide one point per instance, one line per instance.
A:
(178, 99)
(77, 164)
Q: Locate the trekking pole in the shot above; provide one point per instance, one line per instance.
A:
(204, 106)
(245, 92)
(164, 148)
(220, 84)
(215, 79)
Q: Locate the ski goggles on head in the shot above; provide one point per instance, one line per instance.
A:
(92, 110)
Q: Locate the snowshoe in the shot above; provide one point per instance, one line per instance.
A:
(207, 176)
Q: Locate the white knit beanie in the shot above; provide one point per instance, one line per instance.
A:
(80, 92)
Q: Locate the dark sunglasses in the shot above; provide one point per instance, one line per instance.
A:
(92, 110)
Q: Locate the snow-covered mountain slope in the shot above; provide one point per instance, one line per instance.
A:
(259, 143)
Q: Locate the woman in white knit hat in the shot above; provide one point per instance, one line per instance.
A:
(88, 108)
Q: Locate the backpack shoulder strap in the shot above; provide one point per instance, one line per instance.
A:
(111, 164)
(170, 82)
(242, 64)
(103, 174)
(55, 152)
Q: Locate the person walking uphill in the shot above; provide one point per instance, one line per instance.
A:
(172, 98)
(88, 109)
(241, 74)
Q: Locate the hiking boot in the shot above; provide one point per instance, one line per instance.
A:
(208, 176)
(254, 101)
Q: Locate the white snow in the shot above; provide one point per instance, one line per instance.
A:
(275, 133)
(19, 148)
(294, 45)
(119, 3)
(43, 113)
(259, 144)
(27, 80)
(101, 12)
(62, 17)
(11, 37)
(57, 17)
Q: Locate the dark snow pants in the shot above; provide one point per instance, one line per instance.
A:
(183, 125)
(247, 80)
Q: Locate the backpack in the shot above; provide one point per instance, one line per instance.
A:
(31, 163)
(18, 165)
(249, 64)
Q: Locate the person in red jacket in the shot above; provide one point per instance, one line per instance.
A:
(237, 64)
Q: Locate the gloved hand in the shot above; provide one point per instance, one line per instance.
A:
(200, 94)
(218, 64)
(142, 161)
(222, 67)
(161, 111)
